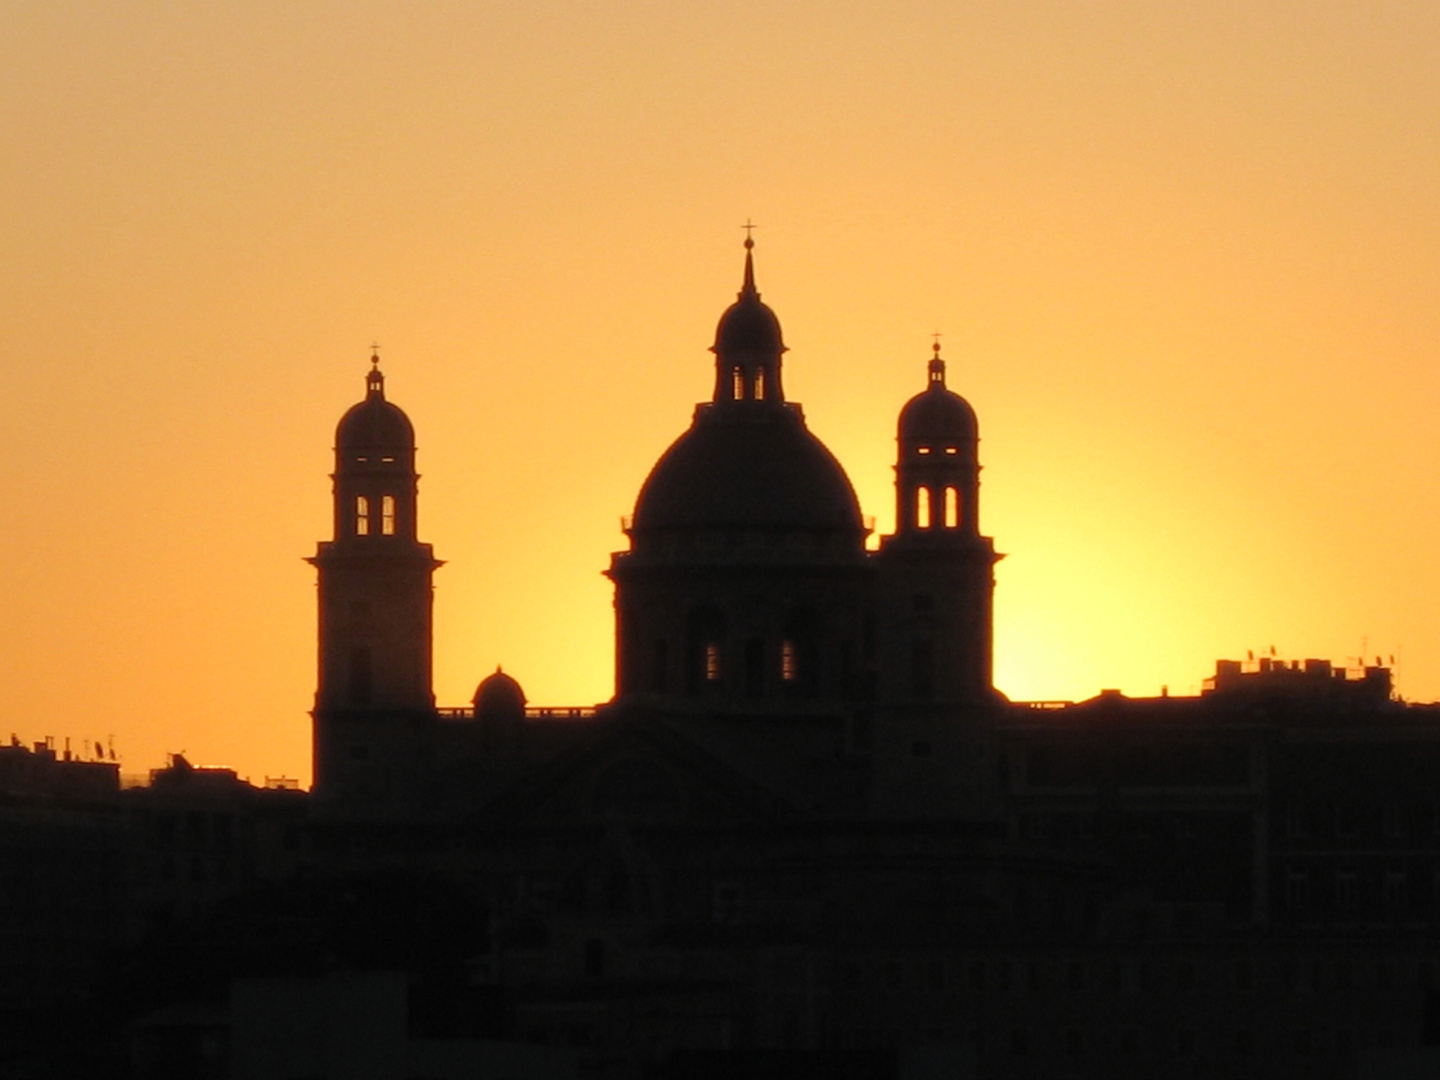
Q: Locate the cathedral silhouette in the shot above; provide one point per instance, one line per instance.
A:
(749, 614)
(808, 832)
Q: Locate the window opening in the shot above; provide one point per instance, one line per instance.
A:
(737, 390)
(922, 507)
(952, 449)
(712, 661)
(952, 508)
(760, 385)
(922, 449)
(362, 516)
(387, 515)
(789, 662)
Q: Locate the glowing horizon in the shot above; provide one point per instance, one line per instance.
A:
(1185, 262)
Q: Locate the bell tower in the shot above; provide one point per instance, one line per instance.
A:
(938, 570)
(374, 687)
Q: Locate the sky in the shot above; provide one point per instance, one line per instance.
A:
(1185, 259)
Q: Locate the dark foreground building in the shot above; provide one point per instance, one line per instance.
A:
(807, 837)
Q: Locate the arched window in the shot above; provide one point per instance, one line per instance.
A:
(362, 516)
(922, 508)
(760, 385)
(789, 661)
(712, 661)
(952, 508)
(387, 514)
(738, 389)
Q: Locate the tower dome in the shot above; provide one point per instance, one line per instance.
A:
(748, 325)
(938, 417)
(374, 423)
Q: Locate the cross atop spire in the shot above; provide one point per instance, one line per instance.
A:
(748, 287)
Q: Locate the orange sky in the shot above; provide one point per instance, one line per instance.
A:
(1185, 255)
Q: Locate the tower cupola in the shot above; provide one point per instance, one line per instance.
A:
(748, 345)
(375, 479)
(938, 571)
(938, 468)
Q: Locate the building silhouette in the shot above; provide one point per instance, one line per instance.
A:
(807, 836)
(807, 824)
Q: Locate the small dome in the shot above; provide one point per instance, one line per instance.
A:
(748, 325)
(499, 695)
(757, 472)
(375, 423)
(938, 415)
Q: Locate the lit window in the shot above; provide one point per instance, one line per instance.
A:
(760, 386)
(712, 661)
(789, 664)
(362, 516)
(387, 514)
(738, 389)
(922, 507)
(952, 449)
(952, 508)
(922, 449)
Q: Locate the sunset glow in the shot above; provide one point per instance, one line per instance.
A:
(1184, 258)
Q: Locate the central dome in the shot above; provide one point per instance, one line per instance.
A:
(760, 472)
(748, 464)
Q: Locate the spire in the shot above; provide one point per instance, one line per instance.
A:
(937, 366)
(747, 289)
